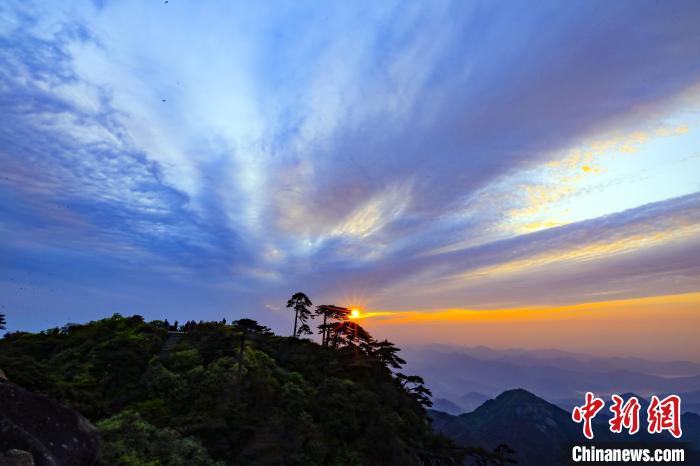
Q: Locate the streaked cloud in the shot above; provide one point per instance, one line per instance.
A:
(428, 156)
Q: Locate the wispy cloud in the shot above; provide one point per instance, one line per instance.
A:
(247, 151)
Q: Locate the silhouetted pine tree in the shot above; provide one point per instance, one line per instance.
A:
(415, 385)
(352, 335)
(300, 303)
(386, 352)
(3, 322)
(333, 318)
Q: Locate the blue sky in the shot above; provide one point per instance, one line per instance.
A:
(207, 159)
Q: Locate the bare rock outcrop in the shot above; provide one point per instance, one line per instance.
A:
(52, 434)
(16, 458)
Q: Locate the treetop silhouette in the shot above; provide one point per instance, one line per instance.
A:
(301, 304)
(332, 317)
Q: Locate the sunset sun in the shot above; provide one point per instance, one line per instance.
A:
(354, 313)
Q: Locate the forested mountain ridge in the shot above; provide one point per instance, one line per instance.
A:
(227, 395)
(542, 434)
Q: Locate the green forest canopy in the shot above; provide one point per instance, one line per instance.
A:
(231, 394)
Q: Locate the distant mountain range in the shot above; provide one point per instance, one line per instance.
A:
(541, 433)
(462, 378)
(573, 361)
(465, 403)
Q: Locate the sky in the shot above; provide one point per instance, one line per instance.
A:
(502, 173)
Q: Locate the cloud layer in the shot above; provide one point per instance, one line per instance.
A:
(177, 158)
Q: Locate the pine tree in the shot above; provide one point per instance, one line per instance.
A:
(415, 386)
(352, 335)
(3, 322)
(386, 352)
(300, 303)
(333, 318)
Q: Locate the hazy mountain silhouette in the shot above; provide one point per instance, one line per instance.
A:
(472, 400)
(466, 403)
(446, 406)
(453, 375)
(691, 401)
(570, 360)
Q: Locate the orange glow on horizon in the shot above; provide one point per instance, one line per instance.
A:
(657, 327)
(543, 312)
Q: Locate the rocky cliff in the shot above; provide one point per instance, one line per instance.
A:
(53, 434)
